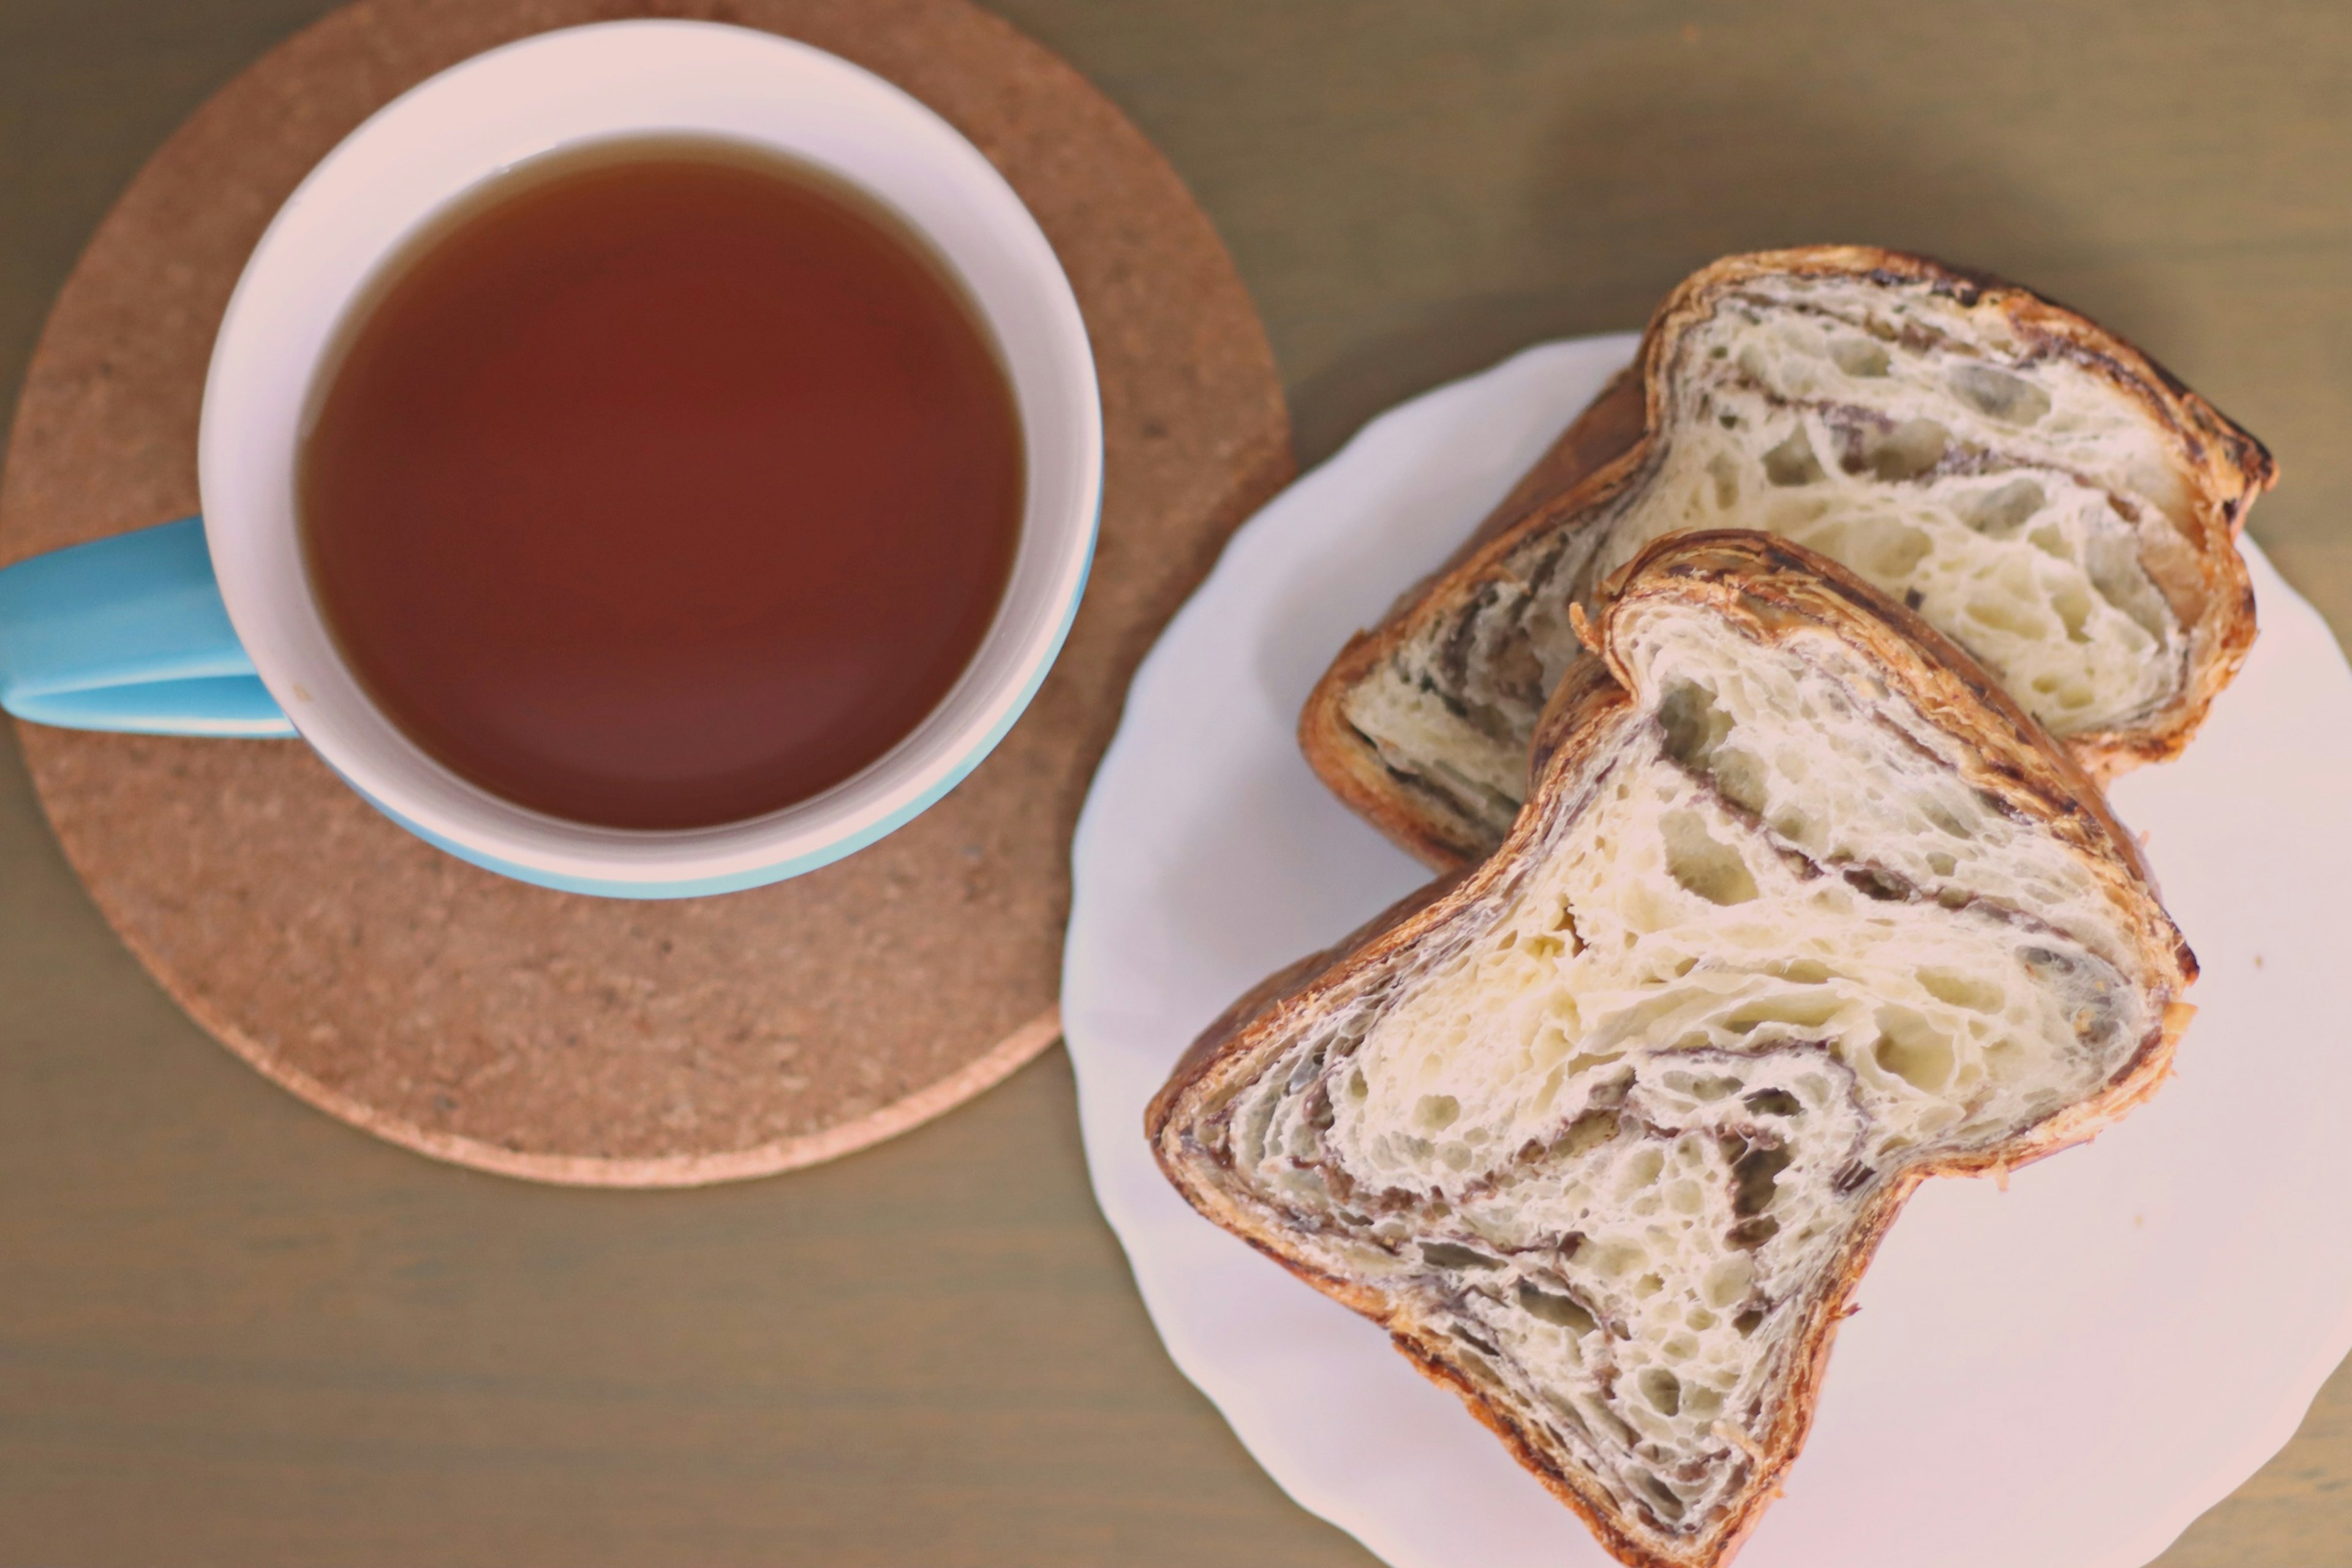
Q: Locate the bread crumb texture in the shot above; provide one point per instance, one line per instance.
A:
(2020, 500)
(1615, 1129)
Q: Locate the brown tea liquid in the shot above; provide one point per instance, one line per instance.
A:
(662, 486)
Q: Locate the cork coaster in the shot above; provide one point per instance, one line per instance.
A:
(574, 1039)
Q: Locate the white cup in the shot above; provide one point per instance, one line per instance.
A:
(429, 147)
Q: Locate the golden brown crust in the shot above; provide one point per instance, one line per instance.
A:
(1281, 983)
(1418, 821)
(1770, 590)
(1601, 454)
(1608, 427)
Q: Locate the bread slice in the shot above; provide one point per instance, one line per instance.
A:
(1801, 909)
(2039, 490)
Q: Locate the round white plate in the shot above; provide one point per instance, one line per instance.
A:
(2059, 1376)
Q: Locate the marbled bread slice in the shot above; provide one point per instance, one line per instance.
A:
(2039, 490)
(1801, 911)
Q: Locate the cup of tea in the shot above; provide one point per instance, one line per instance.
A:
(650, 458)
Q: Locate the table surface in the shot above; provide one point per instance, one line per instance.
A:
(234, 1331)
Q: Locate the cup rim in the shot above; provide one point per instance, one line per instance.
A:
(600, 81)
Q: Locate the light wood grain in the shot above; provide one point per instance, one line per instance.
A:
(232, 1332)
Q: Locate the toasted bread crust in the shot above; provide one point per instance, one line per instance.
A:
(1777, 590)
(1604, 452)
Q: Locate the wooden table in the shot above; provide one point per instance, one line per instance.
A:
(233, 1332)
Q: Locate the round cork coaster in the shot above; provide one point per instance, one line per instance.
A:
(575, 1040)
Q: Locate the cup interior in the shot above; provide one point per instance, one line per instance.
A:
(443, 139)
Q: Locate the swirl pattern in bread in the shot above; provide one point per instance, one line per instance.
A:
(1801, 909)
(2034, 487)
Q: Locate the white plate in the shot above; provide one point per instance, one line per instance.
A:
(2059, 1376)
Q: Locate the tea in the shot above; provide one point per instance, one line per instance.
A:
(662, 485)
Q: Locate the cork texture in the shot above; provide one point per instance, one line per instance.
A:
(566, 1039)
